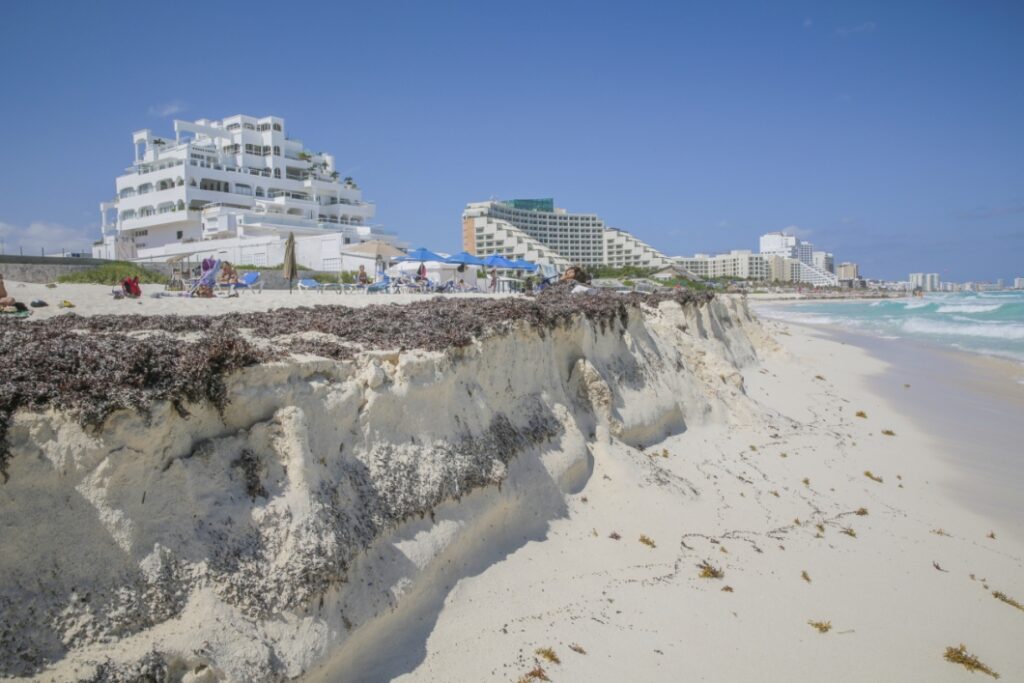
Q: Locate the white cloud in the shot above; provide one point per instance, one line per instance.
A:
(52, 237)
(166, 109)
(802, 233)
(864, 27)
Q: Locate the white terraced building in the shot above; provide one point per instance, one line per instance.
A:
(233, 189)
(534, 230)
(792, 259)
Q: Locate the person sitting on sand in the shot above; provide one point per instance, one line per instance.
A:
(5, 299)
(228, 275)
(361, 277)
(130, 287)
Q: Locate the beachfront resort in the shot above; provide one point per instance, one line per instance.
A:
(233, 189)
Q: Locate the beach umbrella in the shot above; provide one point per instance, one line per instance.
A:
(290, 267)
(464, 258)
(375, 249)
(525, 265)
(420, 254)
(499, 261)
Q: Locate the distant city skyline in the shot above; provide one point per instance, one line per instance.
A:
(887, 134)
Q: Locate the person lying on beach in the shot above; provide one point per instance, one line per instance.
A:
(130, 287)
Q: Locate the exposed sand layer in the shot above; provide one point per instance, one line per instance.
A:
(328, 494)
(444, 515)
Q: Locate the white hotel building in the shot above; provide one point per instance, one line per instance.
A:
(233, 189)
(792, 259)
(534, 230)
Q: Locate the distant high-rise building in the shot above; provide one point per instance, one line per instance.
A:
(739, 263)
(847, 271)
(1018, 283)
(779, 245)
(823, 260)
(928, 282)
(537, 231)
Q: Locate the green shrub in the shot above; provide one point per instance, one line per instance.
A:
(112, 273)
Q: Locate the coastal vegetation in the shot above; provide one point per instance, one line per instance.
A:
(647, 540)
(113, 273)
(548, 654)
(821, 626)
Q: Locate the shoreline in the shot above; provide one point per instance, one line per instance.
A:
(966, 402)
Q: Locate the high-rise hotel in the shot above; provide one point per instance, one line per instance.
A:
(233, 189)
(537, 231)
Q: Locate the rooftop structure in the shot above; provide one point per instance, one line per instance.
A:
(536, 230)
(233, 189)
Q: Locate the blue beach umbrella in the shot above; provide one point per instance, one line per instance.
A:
(525, 265)
(420, 254)
(465, 258)
(499, 261)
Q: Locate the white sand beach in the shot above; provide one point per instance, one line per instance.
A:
(98, 300)
(764, 452)
(772, 500)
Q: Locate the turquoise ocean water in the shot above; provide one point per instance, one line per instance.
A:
(989, 323)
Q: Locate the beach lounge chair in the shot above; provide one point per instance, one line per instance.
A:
(206, 280)
(381, 286)
(250, 281)
(310, 283)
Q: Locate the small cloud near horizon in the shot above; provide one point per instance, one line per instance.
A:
(797, 231)
(166, 109)
(864, 27)
(52, 237)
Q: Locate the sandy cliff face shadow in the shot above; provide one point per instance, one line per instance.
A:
(492, 524)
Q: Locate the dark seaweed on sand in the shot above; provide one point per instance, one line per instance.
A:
(91, 367)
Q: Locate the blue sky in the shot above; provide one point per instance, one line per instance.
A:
(889, 133)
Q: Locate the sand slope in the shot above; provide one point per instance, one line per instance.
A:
(917, 577)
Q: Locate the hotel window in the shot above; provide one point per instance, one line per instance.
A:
(180, 234)
(277, 127)
(277, 173)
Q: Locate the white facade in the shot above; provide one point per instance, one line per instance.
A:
(928, 282)
(233, 189)
(812, 271)
(848, 271)
(738, 263)
(537, 231)
(823, 260)
(1018, 283)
